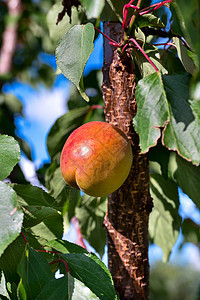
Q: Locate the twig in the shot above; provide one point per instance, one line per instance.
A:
(25, 239)
(61, 260)
(145, 55)
(153, 7)
(112, 42)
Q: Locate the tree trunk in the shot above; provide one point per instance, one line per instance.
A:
(126, 222)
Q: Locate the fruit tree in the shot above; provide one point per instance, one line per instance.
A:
(128, 142)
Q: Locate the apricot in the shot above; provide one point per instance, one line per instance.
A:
(96, 158)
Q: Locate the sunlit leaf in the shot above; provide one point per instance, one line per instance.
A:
(33, 196)
(82, 292)
(11, 217)
(93, 8)
(9, 155)
(56, 31)
(152, 110)
(164, 222)
(73, 52)
(65, 247)
(183, 130)
(3, 290)
(164, 103)
(145, 67)
(149, 20)
(183, 55)
(40, 212)
(188, 16)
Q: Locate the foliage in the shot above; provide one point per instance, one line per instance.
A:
(167, 121)
(174, 282)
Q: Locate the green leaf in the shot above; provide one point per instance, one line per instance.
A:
(35, 272)
(40, 211)
(183, 55)
(145, 67)
(93, 273)
(179, 116)
(176, 27)
(149, 20)
(191, 232)
(152, 110)
(113, 10)
(37, 214)
(140, 36)
(56, 289)
(160, 155)
(9, 155)
(3, 290)
(21, 293)
(66, 196)
(11, 217)
(81, 292)
(73, 52)
(164, 222)
(183, 131)
(10, 259)
(91, 214)
(188, 16)
(48, 230)
(63, 127)
(13, 103)
(56, 31)
(93, 8)
(33, 196)
(187, 177)
(171, 61)
(65, 247)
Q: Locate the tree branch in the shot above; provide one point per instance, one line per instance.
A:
(9, 38)
(79, 239)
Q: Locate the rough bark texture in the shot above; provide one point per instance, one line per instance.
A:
(126, 222)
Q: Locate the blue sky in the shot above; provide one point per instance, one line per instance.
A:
(43, 106)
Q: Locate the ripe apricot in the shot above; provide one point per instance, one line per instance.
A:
(96, 158)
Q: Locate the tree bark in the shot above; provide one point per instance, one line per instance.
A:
(126, 221)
